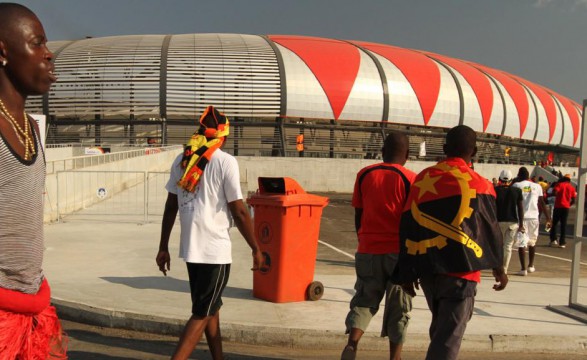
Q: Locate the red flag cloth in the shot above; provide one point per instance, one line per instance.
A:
(29, 327)
(449, 224)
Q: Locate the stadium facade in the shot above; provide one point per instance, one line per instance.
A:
(343, 96)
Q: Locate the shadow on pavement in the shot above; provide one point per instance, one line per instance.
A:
(167, 283)
(171, 284)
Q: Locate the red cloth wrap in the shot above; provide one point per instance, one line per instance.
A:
(29, 327)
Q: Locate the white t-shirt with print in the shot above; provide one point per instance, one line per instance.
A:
(204, 215)
(530, 194)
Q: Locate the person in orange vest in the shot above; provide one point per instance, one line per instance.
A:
(300, 144)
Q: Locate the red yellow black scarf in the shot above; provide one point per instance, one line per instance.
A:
(201, 146)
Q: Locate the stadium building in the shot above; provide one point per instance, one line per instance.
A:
(342, 96)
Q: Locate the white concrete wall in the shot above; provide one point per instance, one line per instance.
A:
(313, 174)
(77, 188)
(336, 175)
(53, 154)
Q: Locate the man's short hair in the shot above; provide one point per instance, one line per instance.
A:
(10, 15)
(395, 143)
(461, 141)
(523, 173)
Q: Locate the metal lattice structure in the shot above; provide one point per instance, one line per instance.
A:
(137, 88)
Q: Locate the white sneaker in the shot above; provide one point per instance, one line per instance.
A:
(554, 243)
(531, 269)
(522, 273)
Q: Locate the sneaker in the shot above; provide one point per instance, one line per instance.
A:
(531, 269)
(554, 243)
(522, 273)
(562, 246)
(349, 353)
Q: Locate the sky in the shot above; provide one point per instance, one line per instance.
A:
(544, 41)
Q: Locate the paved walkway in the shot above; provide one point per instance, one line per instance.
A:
(104, 273)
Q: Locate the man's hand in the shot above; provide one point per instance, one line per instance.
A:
(501, 279)
(410, 288)
(163, 261)
(258, 260)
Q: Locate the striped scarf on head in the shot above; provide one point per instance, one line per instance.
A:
(214, 127)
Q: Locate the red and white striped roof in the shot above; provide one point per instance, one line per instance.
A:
(177, 76)
(352, 80)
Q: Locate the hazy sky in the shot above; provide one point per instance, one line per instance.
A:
(544, 41)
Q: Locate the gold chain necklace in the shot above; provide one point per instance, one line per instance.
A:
(24, 136)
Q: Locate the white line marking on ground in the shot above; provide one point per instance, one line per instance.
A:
(559, 258)
(336, 249)
(353, 257)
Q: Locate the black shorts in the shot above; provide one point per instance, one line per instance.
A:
(207, 282)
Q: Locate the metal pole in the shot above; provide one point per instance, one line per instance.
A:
(146, 196)
(578, 235)
(57, 192)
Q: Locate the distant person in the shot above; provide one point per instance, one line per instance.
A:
(533, 207)
(379, 196)
(565, 195)
(495, 182)
(204, 186)
(543, 184)
(448, 234)
(510, 213)
(29, 328)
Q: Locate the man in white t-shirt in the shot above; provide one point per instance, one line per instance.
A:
(533, 207)
(204, 187)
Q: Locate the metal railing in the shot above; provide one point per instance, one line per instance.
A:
(249, 137)
(80, 162)
(111, 193)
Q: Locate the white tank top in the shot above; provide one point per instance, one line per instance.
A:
(22, 184)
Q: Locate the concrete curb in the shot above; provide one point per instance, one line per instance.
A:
(311, 338)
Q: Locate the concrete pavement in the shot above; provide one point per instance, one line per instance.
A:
(103, 272)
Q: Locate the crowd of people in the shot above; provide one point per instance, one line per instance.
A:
(522, 202)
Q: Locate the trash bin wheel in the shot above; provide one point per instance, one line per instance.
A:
(315, 291)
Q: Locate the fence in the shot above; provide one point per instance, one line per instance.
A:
(111, 193)
(80, 162)
(351, 140)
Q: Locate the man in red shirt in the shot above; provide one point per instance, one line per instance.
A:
(448, 233)
(379, 196)
(565, 195)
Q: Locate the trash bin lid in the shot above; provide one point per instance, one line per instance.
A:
(279, 185)
(279, 200)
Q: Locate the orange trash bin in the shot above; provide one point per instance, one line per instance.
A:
(287, 225)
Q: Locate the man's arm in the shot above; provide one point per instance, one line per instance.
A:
(521, 215)
(542, 209)
(243, 222)
(358, 216)
(163, 259)
(501, 278)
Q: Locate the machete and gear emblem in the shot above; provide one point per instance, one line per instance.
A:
(452, 231)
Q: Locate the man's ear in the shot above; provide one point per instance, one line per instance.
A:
(474, 151)
(2, 50)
